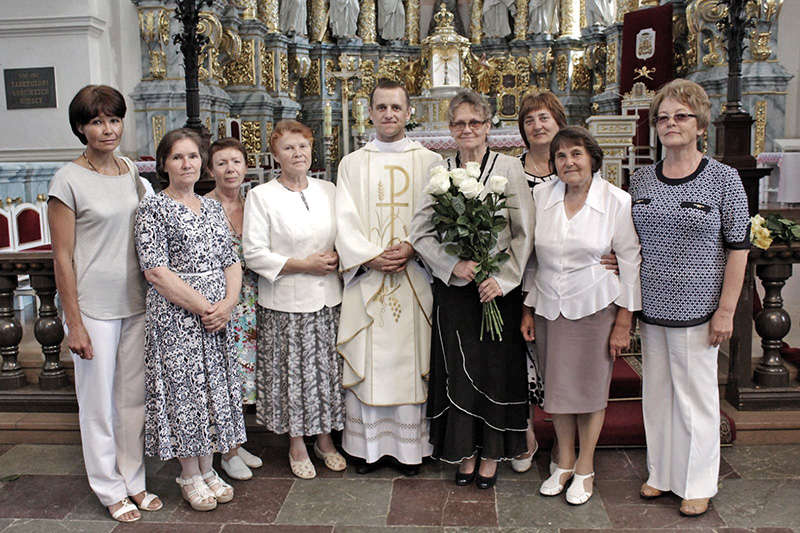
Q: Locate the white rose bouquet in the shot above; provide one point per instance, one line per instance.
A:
(471, 224)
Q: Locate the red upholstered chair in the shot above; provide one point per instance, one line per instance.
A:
(29, 222)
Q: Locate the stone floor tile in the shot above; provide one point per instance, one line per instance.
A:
(470, 513)
(637, 530)
(264, 528)
(255, 501)
(759, 503)
(337, 502)
(500, 530)
(726, 471)
(42, 496)
(616, 464)
(5, 447)
(388, 469)
(520, 505)
(40, 459)
(638, 460)
(627, 510)
(419, 502)
(762, 462)
(166, 489)
(139, 527)
(59, 526)
(387, 529)
(755, 530)
(5, 522)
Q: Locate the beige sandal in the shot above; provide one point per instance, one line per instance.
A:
(333, 460)
(218, 487)
(694, 507)
(147, 499)
(127, 507)
(303, 469)
(195, 491)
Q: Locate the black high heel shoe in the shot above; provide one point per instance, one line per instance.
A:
(486, 482)
(463, 479)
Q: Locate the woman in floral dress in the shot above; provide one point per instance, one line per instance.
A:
(227, 159)
(192, 390)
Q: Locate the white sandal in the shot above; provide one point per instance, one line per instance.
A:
(577, 493)
(553, 485)
(127, 507)
(197, 494)
(218, 487)
(148, 498)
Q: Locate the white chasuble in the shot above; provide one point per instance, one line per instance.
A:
(385, 326)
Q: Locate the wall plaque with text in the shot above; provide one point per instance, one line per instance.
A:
(29, 88)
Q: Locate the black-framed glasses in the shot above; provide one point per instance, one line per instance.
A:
(679, 118)
(473, 125)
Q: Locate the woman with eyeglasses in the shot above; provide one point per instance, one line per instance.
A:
(691, 215)
(477, 399)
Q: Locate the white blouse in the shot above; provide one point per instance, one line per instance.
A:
(569, 278)
(278, 225)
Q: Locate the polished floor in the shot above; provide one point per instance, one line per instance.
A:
(44, 490)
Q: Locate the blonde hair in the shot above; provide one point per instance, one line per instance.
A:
(687, 93)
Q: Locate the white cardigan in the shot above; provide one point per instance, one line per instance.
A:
(277, 227)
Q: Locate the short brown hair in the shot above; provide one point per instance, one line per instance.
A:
(165, 148)
(478, 102)
(577, 136)
(284, 127)
(92, 101)
(541, 100)
(223, 144)
(687, 93)
(387, 84)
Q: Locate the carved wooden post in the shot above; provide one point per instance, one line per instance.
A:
(49, 331)
(772, 324)
(11, 375)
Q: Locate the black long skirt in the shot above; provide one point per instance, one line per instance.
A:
(477, 399)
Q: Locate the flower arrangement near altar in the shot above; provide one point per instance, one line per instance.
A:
(763, 231)
(471, 224)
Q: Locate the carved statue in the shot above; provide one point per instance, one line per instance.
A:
(600, 12)
(543, 17)
(409, 73)
(344, 17)
(495, 17)
(293, 17)
(391, 19)
(483, 71)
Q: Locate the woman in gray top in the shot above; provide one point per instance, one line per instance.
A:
(91, 210)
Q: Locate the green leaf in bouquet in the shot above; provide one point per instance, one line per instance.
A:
(502, 257)
(462, 221)
(445, 199)
(458, 204)
(462, 231)
(500, 226)
(795, 232)
(452, 249)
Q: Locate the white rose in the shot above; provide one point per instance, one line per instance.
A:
(470, 188)
(474, 169)
(439, 183)
(497, 184)
(438, 171)
(458, 175)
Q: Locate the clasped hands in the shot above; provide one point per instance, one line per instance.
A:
(393, 260)
(488, 290)
(217, 316)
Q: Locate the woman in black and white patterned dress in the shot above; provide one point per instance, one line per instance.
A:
(692, 217)
(193, 393)
(288, 237)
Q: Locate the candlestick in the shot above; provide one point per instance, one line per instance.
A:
(328, 119)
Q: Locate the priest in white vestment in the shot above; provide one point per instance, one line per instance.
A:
(385, 327)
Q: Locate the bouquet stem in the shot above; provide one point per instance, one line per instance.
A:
(492, 321)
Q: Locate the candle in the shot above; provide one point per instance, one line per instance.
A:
(360, 117)
(328, 119)
(360, 127)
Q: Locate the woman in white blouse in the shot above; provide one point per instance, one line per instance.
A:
(288, 235)
(579, 312)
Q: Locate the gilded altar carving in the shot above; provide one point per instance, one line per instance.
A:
(542, 68)
(330, 81)
(208, 123)
(411, 74)
(230, 49)
(412, 22)
(475, 23)
(335, 145)
(765, 12)
(159, 129)
(390, 69)
(268, 13)
(569, 22)
(250, 9)
(368, 77)
(283, 61)
(759, 46)
(210, 27)
(582, 11)
(367, 28)
(154, 30)
(680, 33)
(521, 20)
(221, 129)
(444, 108)
(611, 63)
(562, 71)
(251, 139)
(581, 76)
(626, 6)
(268, 68)
(317, 21)
(595, 59)
(761, 126)
(242, 71)
(311, 83)
(715, 56)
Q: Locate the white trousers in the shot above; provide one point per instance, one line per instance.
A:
(680, 400)
(110, 390)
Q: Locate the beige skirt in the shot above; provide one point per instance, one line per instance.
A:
(575, 362)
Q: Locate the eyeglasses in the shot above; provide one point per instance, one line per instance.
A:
(679, 118)
(473, 125)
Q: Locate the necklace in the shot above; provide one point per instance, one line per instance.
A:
(119, 169)
(240, 200)
(535, 166)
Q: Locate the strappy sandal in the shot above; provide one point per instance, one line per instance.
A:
(333, 460)
(127, 507)
(218, 487)
(195, 491)
(148, 498)
(553, 485)
(577, 493)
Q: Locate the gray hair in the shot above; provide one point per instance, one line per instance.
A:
(478, 102)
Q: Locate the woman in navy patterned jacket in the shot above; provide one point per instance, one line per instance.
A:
(691, 215)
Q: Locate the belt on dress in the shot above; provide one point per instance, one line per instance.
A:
(196, 274)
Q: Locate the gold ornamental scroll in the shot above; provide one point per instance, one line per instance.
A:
(521, 20)
(367, 28)
(412, 22)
